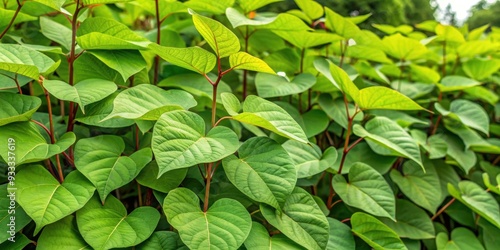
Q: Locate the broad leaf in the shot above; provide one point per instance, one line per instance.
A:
(63, 233)
(263, 113)
(222, 40)
(386, 137)
(301, 220)
(225, 225)
(149, 178)
(237, 19)
(341, 237)
(97, 111)
(465, 158)
(84, 93)
(99, 159)
(477, 199)
(385, 98)
(45, 199)
(277, 86)
(195, 84)
(125, 62)
(311, 8)
(31, 146)
(404, 48)
(16, 107)
(179, 141)
(213, 7)
(316, 121)
(411, 222)
(231, 103)
(286, 22)
(340, 25)
(193, 58)
(243, 60)
(148, 102)
(305, 39)
(456, 83)
(366, 190)
(461, 239)
(23, 61)
(375, 233)
(248, 6)
(364, 154)
(469, 113)
(56, 32)
(336, 110)
(480, 69)
(263, 171)
(109, 226)
(7, 210)
(338, 77)
(163, 240)
(308, 159)
(435, 146)
(259, 239)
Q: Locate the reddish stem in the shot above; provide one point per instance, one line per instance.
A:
(18, 9)
(443, 208)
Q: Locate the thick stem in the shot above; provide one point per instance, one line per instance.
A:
(139, 194)
(443, 208)
(207, 186)
(17, 85)
(158, 39)
(18, 9)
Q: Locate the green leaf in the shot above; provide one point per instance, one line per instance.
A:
(411, 222)
(7, 210)
(179, 141)
(286, 22)
(262, 171)
(99, 33)
(340, 25)
(109, 226)
(17, 108)
(97, 111)
(435, 146)
(148, 102)
(364, 154)
(166, 8)
(225, 225)
(422, 188)
(92, 2)
(336, 110)
(367, 53)
(237, 19)
(378, 97)
(404, 48)
(149, 178)
(231, 103)
(449, 34)
(469, 113)
(99, 159)
(212, 7)
(125, 62)
(263, 113)
(477, 199)
(7, 15)
(465, 158)
(193, 58)
(46, 200)
(366, 190)
(301, 220)
(304, 39)
(31, 146)
(341, 237)
(243, 60)
(413, 90)
(389, 29)
(424, 74)
(375, 233)
(163, 240)
(309, 160)
(311, 8)
(480, 69)
(339, 78)
(84, 93)
(248, 6)
(386, 137)
(222, 40)
(316, 122)
(56, 31)
(277, 86)
(62, 234)
(461, 239)
(23, 61)
(259, 239)
(20, 243)
(456, 83)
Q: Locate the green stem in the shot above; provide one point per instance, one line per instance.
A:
(207, 186)
(18, 9)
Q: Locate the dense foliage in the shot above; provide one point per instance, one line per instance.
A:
(210, 125)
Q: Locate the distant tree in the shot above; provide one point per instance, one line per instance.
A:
(484, 13)
(450, 16)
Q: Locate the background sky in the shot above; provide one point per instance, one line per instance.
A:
(461, 7)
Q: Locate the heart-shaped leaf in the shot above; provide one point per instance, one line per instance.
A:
(222, 40)
(386, 137)
(435, 146)
(465, 158)
(259, 239)
(109, 226)
(31, 146)
(179, 141)
(225, 225)
(163, 240)
(62, 234)
(99, 159)
(340, 25)
(125, 62)
(148, 102)
(312, 9)
(193, 58)
(243, 60)
(45, 200)
(366, 190)
(341, 237)
(8, 209)
(404, 48)
(469, 113)
(23, 61)
(17, 108)
(411, 222)
(263, 113)
(301, 220)
(461, 239)
(149, 178)
(456, 83)
(84, 93)
(276, 86)
(477, 199)
(375, 233)
(263, 171)
(308, 159)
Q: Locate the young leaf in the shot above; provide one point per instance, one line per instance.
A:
(276, 86)
(339, 78)
(309, 160)
(63, 233)
(411, 222)
(305, 39)
(217, 7)
(225, 225)
(46, 200)
(193, 58)
(238, 19)
(301, 220)
(404, 48)
(99, 159)
(222, 40)
(311, 8)
(109, 226)
(366, 190)
(265, 114)
(286, 22)
(231, 103)
(148, 102)
(56, 31)
(34, 147)
(243, 60)
(378, 97)
(84, 93)
(23, 61)
(248, 6)
(375, 233)
(125, 62)
(17, 108)
(179, 141)
(340, 25)
(386, 137)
